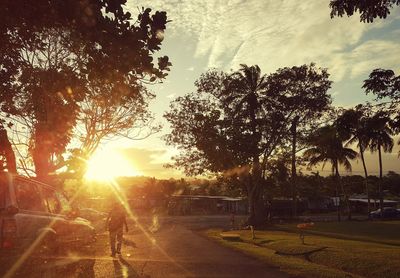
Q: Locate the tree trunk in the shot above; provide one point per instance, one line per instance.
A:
(380, 179)
(7, 151)
(337, 190)
(41, 154)
(366, 181)
(256, 202)
(257, 214)
(294, 172)
(41, 162)
(346, 198)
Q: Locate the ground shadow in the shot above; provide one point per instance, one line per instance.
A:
(130, 243)
(86, 268)
(124, 269)
(266, 241)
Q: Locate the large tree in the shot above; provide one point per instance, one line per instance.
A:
(385, 85)
(235, 122)
(51, 63)
(305, 92)
(368, 9)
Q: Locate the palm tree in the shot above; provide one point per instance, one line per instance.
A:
(327, 146)
(354, 123)
(380, 135)
(244, 89)
(243, 92)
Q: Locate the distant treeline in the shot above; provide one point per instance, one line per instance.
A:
(312, 186)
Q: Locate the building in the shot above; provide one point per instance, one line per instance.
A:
(201, 204)
(361, 204)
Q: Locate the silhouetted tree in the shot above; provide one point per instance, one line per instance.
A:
(7, 156)
(242, 97)
(327, 146)
(385, 85)
(369, 10)
(234, 123)
(51, 52)
(109, 110)
(305, 94)
(380, 135)
(353, 123)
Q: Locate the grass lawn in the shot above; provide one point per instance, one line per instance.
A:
(321, 256)
(387, 232)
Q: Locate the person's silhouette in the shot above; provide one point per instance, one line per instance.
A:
(116, 220)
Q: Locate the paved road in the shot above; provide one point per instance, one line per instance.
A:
(170, 247)
(166, 247)
(175, 250)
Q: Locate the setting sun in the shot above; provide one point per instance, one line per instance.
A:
(108, 164)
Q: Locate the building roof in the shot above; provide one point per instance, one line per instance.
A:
(362, 200)
(224, 198)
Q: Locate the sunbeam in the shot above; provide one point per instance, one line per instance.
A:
(25, 255)
(123, 200)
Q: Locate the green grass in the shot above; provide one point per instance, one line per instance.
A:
(338, 258)
(386, 232)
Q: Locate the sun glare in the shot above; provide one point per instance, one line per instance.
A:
(109, 164)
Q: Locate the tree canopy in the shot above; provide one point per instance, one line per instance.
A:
(217, 118)
(234, 123)
(368, 9)
(383, 84)
(64, 61)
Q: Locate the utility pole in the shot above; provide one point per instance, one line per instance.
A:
(293, 129)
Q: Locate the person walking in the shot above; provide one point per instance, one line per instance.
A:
(116, 220)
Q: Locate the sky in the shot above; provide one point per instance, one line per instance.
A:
(272, 34)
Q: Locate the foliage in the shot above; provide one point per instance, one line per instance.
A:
(57, 70)
(369, 10)
(352, 124)
(327, 146)
(384, 84)
(225, 124)
(234, 123)
(380, 132)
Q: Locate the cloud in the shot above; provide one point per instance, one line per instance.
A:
(373, 54)
(150, 162)
(272, 34)
(275, 34)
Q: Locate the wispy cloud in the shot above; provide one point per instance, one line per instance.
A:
(281, 33)
(272, 34)
(150, 162)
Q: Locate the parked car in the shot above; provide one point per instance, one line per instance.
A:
(92, 214)
(387, 213)
(36, 220)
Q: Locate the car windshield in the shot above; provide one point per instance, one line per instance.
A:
(66, 207)
(56, 202)
(28, 197)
